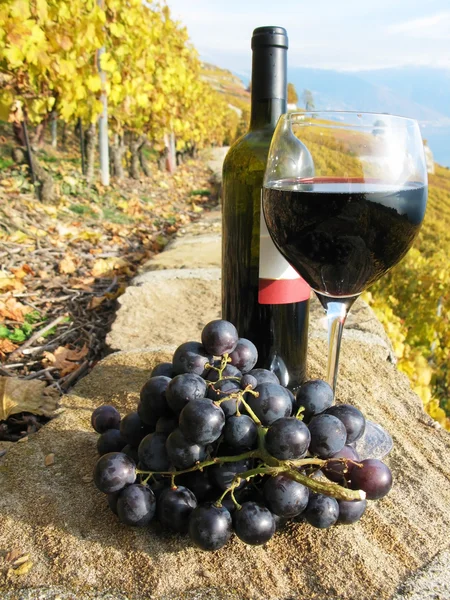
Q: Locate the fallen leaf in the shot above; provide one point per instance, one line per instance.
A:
(22, 271)
(49, 460)
(67, 265)
(95, 302)
(82, 283)
(6, 347)
(21, 395)
(105, 266)
(9, 282)
(87, 478)
(65, 358)
(19, 561)
(13, 555)
(22, 570)
(14, 310)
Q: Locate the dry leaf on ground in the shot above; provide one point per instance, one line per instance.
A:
(21, 395)
(65, 358)
(67, 265)
(22, 570)
(14, 310)
(6, 346)
(9, 282)
(105, 266)
(49, 460)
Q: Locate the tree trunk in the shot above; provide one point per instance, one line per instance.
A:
(90, 140)
(54, 128)
(117, 151)
(44, 181)
(143, 159)
(170, 165)
(135, 146)
(38, 137)
(64, 135)
(19, 135)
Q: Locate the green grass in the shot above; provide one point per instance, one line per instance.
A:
(114, 216)
(83, 210)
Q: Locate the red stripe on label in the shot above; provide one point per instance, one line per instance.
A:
(283, 291)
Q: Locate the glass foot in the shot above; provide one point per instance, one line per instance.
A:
(375, 442)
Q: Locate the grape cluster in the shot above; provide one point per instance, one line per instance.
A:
(217, 445)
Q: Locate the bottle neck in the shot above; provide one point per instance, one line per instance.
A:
(269, 86)
(265, 113)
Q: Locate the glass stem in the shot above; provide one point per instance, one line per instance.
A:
(336, 315)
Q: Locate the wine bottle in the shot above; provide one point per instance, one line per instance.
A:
(261, 294)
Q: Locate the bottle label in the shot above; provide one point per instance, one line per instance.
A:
(279, 283)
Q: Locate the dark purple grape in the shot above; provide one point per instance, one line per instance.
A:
(229, 371)
(273, 403)
(280, 522)
(315, 396)
(210, 526)
(110, 441)
(374, 477)
(222, 389)
(219, 337)
(287, 439)
(153, 403)
(222, 475)
(133, 429)
(159, 486)
(201, 421)
(136, 505)
(182, 453)
(191, 357)
(247, 380)
(112, 500)
(285, 497)
(241, 433)
(264, 376)
(114, 471)
(350, 512)
(328, 435)
(254, 524)
(131, 452)
(198, 482)
(293, 401)
(184, 388)
(321, 511)
(105, 417)
(339, 471)
(153, 454)
(165, 369)
(245, 355)
(175, 507)
(166, 425)
(353, 419)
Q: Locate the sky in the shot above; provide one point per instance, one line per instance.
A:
(328, 34)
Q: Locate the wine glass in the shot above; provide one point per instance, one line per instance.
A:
(344, 197)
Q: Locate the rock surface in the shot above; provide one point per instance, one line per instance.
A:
(56, 515)
(79, 550)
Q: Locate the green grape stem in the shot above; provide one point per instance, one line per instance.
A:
(272, 466)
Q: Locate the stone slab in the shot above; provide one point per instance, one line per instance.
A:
(77, 546)
(165, 307)
(432, 582)
(192, 252)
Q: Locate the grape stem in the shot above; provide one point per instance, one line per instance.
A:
(272, 466)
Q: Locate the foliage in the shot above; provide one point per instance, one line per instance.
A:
(292, 96)
(413, 303)
(49, 51)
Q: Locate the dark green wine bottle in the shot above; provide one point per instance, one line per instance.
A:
(262, 295)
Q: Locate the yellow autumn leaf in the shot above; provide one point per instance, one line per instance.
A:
(106, 266)
(22, 569)
(93, 83)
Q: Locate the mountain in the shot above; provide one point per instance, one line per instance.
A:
(421, 93)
